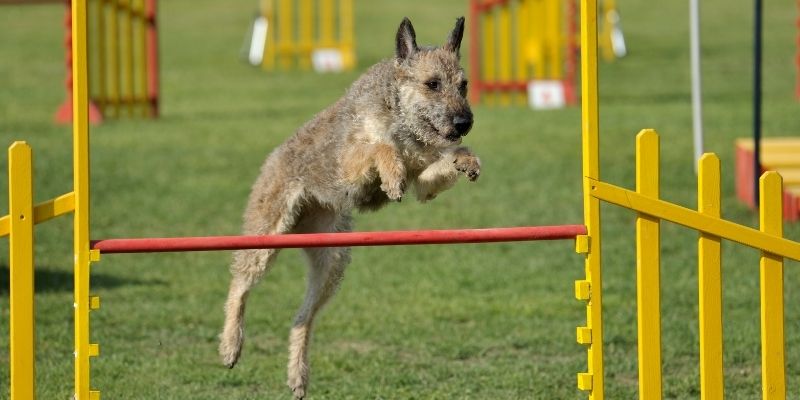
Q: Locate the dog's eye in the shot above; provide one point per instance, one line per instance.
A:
(433, 84)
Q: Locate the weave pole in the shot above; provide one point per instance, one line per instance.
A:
(343, 239)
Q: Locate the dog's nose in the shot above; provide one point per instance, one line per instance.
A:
(462, 123)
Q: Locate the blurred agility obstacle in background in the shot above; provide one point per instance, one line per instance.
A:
(302, 34)
(527, 50)
(123, 58)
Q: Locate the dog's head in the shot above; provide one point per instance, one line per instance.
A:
(432, 87)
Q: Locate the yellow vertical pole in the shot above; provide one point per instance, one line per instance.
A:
(648, 269)
(20, 210)
(268, 12)
(326, 26)
(592, 380)
(305, 24)
(607, 29)
(129, 55)
(554, 40)
(522, 20)
(710, 282)
(504, 55)
(101, 55)
(536, 53)
(489, 53)
(141, 66)
(286, 44)
(773, 374)
(114, 55)
(80, 150)
(346, 35)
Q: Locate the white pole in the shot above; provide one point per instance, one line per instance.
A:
(697, 106)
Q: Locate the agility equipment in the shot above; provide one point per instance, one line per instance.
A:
(516, 42)
(644, 200)
(385, 238)
(304, 34)
(781, 154)
(527, 50)
(757, 39)
(611, 40)
(711, 230)
(756, 155)
(123, 58)
(697, 77)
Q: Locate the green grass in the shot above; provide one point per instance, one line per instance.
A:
(429, 322)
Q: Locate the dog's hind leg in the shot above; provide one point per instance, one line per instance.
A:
(248, 266)
(326, 271)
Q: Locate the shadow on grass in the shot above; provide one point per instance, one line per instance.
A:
(47, 280)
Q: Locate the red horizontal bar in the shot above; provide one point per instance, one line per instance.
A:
(381, 238)
(485, 5)
(503, 86)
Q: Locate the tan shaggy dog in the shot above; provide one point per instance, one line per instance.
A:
(398, 126)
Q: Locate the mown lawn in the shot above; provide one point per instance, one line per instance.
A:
(489, 321)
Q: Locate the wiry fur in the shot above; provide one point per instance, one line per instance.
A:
(398, 126)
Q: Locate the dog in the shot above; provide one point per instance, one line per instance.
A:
(400, 125)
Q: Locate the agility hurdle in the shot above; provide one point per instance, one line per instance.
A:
(23, 214)
(644, 200)
(305, 33)
(711, 230)
(123, 58)
(126, 57)
(515, 41)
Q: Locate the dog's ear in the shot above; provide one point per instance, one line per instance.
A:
(454, 40)
(406, 40)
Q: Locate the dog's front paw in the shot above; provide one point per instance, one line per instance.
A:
(394, 189)
(469, 164)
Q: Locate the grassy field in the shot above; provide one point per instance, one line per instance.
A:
(430, 322)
